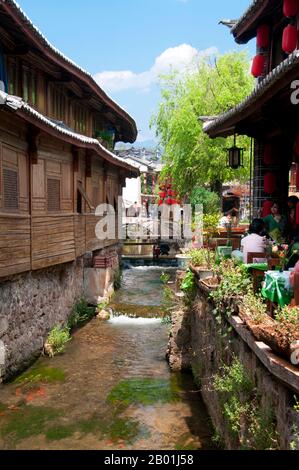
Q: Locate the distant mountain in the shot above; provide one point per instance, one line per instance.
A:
(145, 144)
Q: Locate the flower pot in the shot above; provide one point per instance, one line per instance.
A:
(183, 261)
(203, 273)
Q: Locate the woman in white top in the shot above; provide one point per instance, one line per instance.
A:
(255, 242)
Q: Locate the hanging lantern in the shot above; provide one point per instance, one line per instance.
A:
(160, 203)
(162, 195)
(289, 38)
(263, 36)
(267, 206)
(269, 156)
(297, 214)
(235, 156)
(270, 183)
(258, 65)
(169, 201)
(290, 8)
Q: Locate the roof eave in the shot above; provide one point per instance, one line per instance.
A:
(23, 22)
(28, 114)
(226, 123)
(245, 28)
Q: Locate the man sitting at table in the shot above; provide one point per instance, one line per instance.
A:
(254, 242)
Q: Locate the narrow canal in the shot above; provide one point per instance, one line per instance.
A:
(111, 389)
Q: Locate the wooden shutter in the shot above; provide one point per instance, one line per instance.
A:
(11, 189)
(53, 193)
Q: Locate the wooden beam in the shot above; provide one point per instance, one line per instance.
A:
(75, 152)
(85, 197)
(88, 163)
(33, 136)
(18, 51)
(63, 79)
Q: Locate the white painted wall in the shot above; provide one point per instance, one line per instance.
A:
(132, 191)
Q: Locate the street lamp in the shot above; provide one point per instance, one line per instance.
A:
(235, 156)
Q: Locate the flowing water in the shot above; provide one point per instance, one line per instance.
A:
(112, 388)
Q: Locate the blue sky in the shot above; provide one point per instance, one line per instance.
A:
(125, 44)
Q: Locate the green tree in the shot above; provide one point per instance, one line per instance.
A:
(209, 200)
(190, 156)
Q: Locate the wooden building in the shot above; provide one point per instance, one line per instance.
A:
(57, 133)
(270, 115)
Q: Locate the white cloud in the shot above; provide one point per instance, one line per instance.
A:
(180, 58)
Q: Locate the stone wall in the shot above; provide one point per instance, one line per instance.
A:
(31, 304)
(200, 343)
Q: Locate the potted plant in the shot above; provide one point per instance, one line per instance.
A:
(202, 262)
(183, 259)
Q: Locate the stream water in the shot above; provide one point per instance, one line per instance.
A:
(112, 388)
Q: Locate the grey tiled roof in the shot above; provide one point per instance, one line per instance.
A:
(24, 18)
(288, 64)
(14, 103)
(248, 13)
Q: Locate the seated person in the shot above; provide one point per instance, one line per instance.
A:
(225, 220)
(254, 242)
(276, 223)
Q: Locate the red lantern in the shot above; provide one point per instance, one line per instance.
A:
(289, 38)
(258, 65)
(290, 8)
(169, 201)
(297, 214)
(270, 183)
(160, 203)
(263, 36)
(269, 156)
(162, 195)
(267, 206)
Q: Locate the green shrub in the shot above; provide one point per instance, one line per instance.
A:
(57, 340)
(248, 421)
(209, 200)
(189, 287)
(233, 379)
(202, 257)
(81, 314)
(235, 282)
(256, 305)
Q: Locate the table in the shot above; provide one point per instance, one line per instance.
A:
(257, 270)
(256, 266)
(277, 287)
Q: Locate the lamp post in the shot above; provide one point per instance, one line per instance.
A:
(235, 156)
